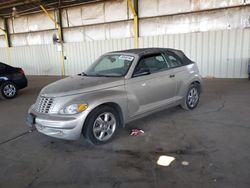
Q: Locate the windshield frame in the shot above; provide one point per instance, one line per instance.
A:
(109, 54)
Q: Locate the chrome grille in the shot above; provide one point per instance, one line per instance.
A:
(44, 104)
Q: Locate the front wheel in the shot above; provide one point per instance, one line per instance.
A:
(8, 90)
(101, 125)
(192, 97)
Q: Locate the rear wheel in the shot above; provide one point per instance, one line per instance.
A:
(101, 125)
(192, 97)
(8, 90)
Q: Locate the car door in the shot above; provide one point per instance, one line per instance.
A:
(2, 67)
(179, 70)
(2, 73)
(151, 85)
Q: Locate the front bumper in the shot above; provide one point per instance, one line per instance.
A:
(58, 126)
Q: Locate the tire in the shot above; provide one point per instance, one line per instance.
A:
(101, 125)
(192, 97)
(9, 90)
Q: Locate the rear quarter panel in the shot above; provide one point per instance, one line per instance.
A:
(185, 76)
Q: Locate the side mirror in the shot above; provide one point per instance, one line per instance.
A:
(141, 72)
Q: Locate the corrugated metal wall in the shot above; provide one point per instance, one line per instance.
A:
(221, 54)
(80, 55)
(35, 60)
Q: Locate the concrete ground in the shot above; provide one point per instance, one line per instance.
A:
(214, 140)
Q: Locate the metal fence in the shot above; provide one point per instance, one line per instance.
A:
(221, 54)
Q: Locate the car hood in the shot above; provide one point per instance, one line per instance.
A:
(80, 84)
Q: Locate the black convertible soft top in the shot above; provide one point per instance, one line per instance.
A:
(149, 51)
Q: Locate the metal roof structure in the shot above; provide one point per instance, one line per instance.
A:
(20, 7)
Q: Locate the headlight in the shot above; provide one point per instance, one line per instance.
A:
(74, 109)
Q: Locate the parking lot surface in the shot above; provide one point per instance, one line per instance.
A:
(210, 146)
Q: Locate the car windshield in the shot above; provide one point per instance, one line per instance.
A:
(110, 66)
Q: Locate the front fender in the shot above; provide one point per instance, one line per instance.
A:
(116, 95)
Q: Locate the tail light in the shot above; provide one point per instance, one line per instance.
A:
(21, 71)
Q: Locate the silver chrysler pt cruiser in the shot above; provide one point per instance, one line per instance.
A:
(117, 88)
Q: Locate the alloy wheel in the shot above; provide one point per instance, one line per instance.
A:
(193, 97)
(9, 90)
(104, 126)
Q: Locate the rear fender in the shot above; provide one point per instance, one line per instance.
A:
(192, 79)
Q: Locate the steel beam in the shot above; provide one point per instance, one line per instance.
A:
(60, 35)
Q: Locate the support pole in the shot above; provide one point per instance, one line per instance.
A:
(59, 21)
(7, 35)
(60, 35)
(134, 9)
(7, 39)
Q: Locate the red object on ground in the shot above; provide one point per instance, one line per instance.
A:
(136, 132)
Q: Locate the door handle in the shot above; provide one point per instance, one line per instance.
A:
(172, 76)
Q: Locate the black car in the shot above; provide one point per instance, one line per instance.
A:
(12, 79)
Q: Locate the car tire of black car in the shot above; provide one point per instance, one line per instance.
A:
(8, 90)
(192, 97)
(95, 124)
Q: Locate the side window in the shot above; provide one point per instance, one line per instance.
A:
(2, 67)
(152, 64)
(173, 60)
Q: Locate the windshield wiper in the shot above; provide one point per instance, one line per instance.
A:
(96, 75)
(82, 74)
(100, 75)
